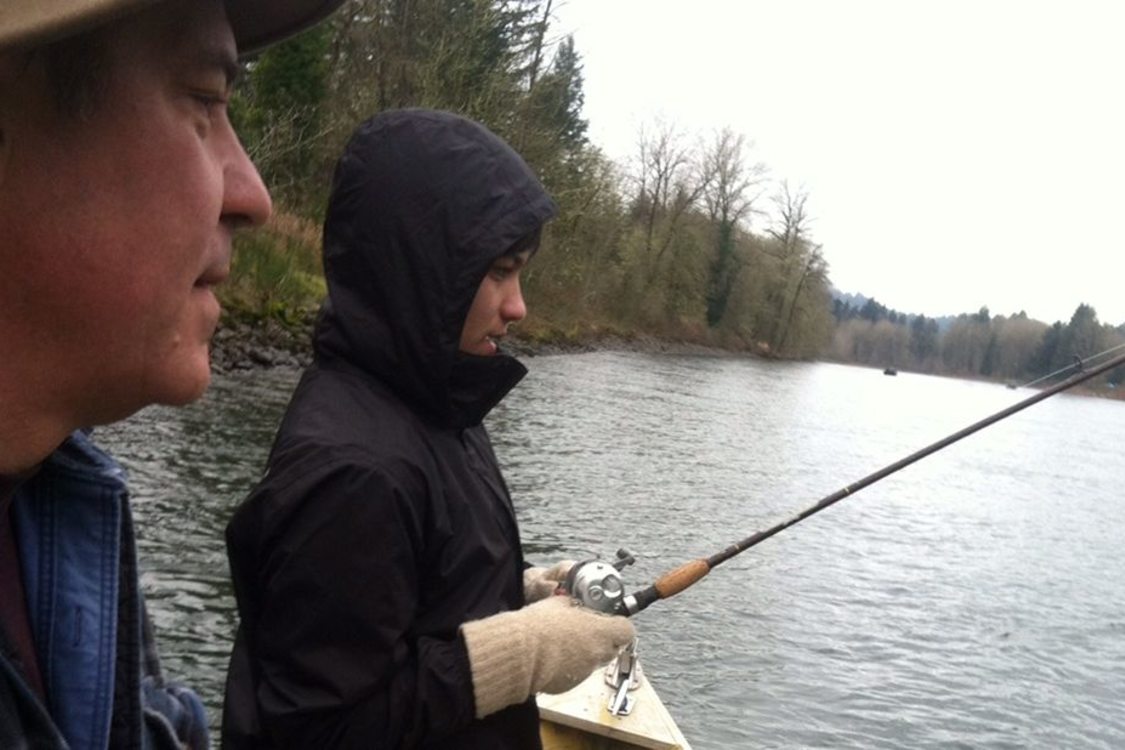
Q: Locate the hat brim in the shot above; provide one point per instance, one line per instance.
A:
(256, 23)
(27, 23)
(259, 23)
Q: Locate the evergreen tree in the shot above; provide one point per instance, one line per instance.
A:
(557, 99)
(872, 311)
(279, 110)
(923, 339)
(1049, 351)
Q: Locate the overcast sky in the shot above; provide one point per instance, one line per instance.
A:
(956, 153)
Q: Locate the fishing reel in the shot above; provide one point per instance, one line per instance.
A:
(598, 585)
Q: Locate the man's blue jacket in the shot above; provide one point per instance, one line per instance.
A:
(103, 686)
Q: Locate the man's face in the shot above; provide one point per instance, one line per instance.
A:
(114, 228)
(498, 303)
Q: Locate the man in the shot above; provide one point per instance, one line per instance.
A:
(121, 184)
(377, 565)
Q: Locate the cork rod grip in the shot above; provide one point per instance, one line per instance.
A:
(675, 581)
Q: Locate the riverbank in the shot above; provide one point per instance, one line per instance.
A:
(248, 344)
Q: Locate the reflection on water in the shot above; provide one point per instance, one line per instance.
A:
(968, 601)
(188, 468)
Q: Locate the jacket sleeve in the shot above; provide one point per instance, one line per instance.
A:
(329, 600)
(173, 715)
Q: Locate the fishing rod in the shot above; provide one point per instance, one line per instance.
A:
(597, 584)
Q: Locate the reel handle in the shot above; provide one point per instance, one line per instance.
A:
(598, 585)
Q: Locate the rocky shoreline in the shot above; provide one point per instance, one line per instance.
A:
(247, 345)
(251, 345)
(262, 344)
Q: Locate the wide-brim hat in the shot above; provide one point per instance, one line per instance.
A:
(256, 23)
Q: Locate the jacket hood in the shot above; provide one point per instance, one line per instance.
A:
(422, 204)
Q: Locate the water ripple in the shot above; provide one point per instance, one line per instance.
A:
(970, 601)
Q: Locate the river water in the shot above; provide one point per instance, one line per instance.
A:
(973, 600)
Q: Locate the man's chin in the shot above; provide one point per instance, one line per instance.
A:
(187, 385)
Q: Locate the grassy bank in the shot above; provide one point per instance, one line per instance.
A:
(275, 273)
(277, 285)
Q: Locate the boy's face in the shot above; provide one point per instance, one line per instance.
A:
(117, 226)
(498, 303)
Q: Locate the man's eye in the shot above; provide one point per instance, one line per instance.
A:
(209, 101)
(501, 272)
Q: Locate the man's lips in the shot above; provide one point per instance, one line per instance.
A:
(213, 276)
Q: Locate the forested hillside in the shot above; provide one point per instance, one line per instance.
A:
(692, 239)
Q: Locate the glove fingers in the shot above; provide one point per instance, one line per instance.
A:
(539, 583)
(549, 646)
(536, 590)
(558, 571)
(531, 577)
(578, 642)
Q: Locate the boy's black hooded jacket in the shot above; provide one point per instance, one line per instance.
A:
(383, 523)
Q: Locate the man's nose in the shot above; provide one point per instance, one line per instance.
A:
(246, 202)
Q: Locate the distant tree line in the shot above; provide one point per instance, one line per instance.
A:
(1015, 348)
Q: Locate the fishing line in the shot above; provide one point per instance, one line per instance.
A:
(1079, 363)
(675, 581)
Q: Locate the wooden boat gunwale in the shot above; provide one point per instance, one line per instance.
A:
(579, 719)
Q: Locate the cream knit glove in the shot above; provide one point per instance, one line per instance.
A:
(539, 583)
(549, 647)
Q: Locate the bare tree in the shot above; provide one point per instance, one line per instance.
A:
(800, 259)
(668, 184)
(793, 221)
(732, 188)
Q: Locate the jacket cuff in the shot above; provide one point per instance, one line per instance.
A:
(498, 664)
(174, 711)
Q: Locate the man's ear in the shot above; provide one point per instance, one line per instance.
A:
(5, 105)
(7, 73)
(4, 148)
